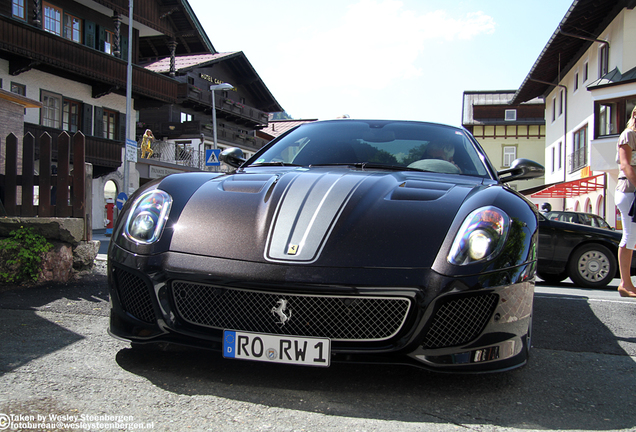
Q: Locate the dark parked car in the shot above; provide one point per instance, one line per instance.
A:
(344, 240)
(585, 254)
(589, 219)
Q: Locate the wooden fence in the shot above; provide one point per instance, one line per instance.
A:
(57, 191)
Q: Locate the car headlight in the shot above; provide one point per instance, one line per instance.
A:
(148, 216)
(481, 236)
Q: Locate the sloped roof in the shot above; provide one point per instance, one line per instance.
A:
(586, 18)
(189, 34)
(185, 63)
(614, 77)
(278, 127)
(242, 70)
(20, 100)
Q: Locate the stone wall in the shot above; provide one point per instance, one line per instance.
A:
(69, 254)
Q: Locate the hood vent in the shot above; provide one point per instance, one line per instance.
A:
(245, 183)
(417, 190)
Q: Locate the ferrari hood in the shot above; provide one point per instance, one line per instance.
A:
(328, 217)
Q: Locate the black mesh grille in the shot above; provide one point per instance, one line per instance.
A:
(458, 321)
(134, 295)
(335, 317)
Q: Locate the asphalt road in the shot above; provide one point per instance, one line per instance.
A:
(56, 359)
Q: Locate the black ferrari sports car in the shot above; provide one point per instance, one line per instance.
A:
(344, 240)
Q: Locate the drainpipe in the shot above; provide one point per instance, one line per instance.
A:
(601, 41)
(565, 126)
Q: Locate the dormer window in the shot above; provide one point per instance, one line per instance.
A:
(511, 115)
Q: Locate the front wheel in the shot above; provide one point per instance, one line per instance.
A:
(592, 266)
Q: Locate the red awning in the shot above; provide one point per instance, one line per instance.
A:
(572, 188)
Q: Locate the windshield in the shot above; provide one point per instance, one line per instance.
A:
(377, 144)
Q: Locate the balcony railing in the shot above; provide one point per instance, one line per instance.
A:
(39, 46)
(225, 106)
(180, 155)
(194, 129)
(578, 159)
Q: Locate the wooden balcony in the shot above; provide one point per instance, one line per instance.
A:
(226, 108)
(28, 47)
(195, 129)
(104, 154)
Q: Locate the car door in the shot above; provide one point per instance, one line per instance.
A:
(547, 245)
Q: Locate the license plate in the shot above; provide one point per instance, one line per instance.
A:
(276, 348)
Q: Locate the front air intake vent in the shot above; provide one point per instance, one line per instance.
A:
(459, 320)
(134, 295)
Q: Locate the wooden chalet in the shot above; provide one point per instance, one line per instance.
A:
(184, 131)
(72, 57)
(86, 42)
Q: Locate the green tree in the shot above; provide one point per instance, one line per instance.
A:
(281, 116)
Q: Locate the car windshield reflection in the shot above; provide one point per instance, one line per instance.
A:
(395, 145)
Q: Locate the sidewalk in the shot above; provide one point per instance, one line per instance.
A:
(100, 234)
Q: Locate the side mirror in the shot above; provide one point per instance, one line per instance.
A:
(233, 157)
(521, 169)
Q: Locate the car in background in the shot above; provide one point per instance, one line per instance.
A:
(340, 241)
(589, 219)
(586, 254)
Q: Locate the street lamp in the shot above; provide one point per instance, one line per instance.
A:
(213, 88)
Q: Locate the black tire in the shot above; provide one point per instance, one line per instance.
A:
(552, 278)
(592, 266)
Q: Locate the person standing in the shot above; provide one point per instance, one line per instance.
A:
(624, 199)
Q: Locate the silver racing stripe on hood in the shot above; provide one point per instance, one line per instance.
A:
(306, 214)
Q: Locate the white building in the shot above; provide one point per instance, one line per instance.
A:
(587, 75)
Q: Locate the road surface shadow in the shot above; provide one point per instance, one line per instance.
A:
(578, 377)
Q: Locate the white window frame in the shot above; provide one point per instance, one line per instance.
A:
(510, 115)
(576, 81)
(553, 160)
(554, 116)
(509, 154)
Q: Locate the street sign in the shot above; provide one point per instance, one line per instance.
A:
(121, 200)
(131, 150)
(212, 157)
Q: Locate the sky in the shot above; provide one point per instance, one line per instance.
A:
(383, 59)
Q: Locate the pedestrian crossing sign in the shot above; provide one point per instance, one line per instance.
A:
(212, 157)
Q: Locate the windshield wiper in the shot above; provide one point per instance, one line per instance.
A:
(273, 164)
(371, 165)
